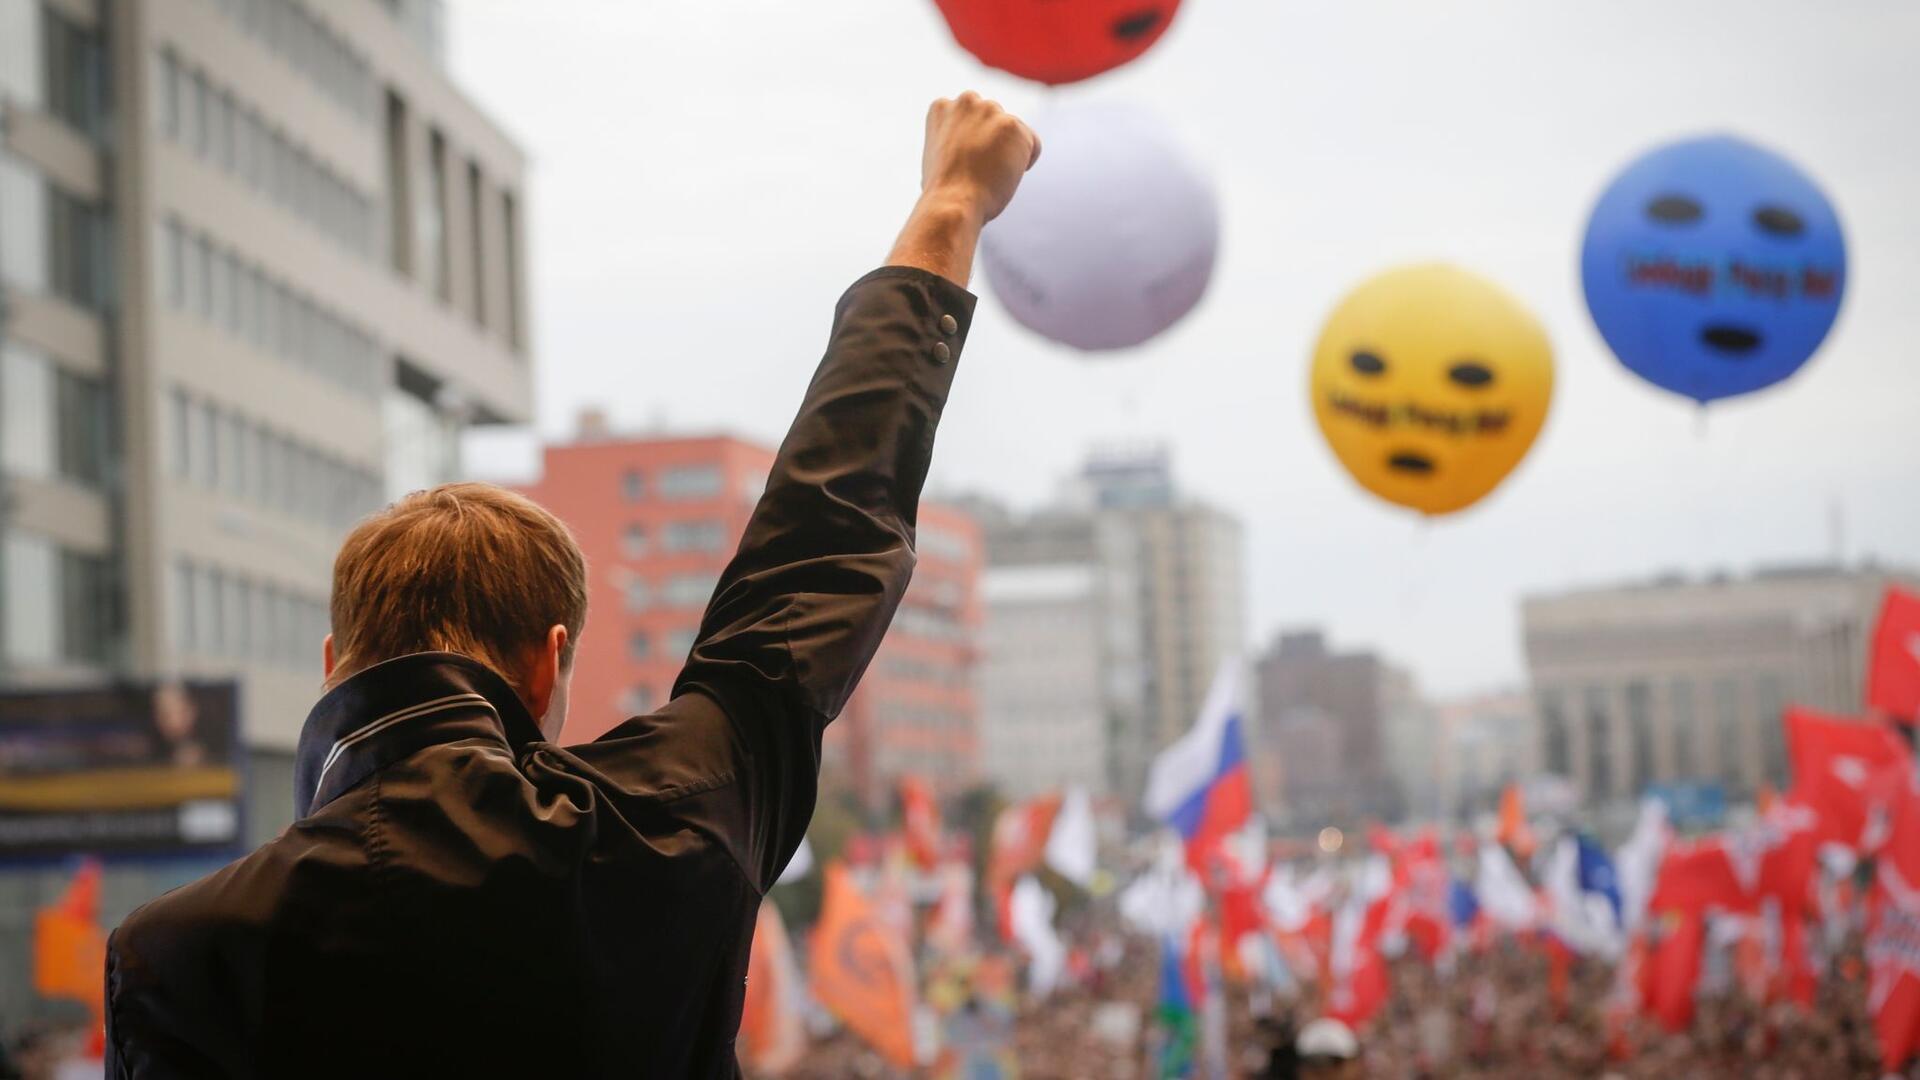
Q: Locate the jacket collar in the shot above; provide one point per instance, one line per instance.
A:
(396, 708)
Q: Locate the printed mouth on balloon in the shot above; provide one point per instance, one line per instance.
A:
(1411, 463)
(1139, 24)
(1409, 414)
(1734, 341)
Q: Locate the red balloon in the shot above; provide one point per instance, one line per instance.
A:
(1057, 41)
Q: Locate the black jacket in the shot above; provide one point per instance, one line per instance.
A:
(460, 898)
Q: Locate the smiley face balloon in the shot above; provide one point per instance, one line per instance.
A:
(1713, 267)
(1057, 41)
(1430, 383)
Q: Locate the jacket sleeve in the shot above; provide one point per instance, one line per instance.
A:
(826, 555)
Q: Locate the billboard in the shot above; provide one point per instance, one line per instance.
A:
(127, 769)
(1692, 804)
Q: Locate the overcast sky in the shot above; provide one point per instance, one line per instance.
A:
(708, 175)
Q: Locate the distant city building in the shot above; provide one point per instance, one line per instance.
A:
(261, 263)
(1485, 743)
(660, 517)
(1323, 752)
(917, 708)
(658, 520)
(1061, 653)
(1144, 590)
(1677, 679)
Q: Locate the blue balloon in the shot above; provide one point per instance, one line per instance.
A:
(1713, 267)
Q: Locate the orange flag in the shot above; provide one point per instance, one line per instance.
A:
(1514, 832)
(69, 948)
(771, 1037)
(862, 972)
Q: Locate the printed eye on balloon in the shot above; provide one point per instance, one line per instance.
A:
(1429, 384)
(1713, 267)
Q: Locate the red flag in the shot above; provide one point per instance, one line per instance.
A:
(1796, 978)
(1358, 971)
(1893, 938)
(1673, 969)
(1695, 876)
(1835, 765)
(920, 821)
(1018, 844)
(1893, 674)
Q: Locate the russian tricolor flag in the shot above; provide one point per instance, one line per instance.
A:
(1199, 784)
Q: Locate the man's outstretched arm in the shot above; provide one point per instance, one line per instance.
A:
(828, 552)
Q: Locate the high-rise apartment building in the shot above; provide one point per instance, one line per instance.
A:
(260, 263)
(1681, 679)
(659, 518)
(1062, 683)
(1324, 751)
(1144, 588)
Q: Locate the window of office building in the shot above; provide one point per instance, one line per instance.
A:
(423, 443)
(639, 645)
(510, 266)
(638, 700)
(1727, 733)
(27, 422)
(21, 78)
(477, 242)
(633, 541)
(688, 590)
(1640, 734)
(49, 240)
(1686, 735)
(1769, 703)
(29, 621)
(399, 198)
(639, 595)
(1599, 744)
(78, 261)
(60, 603)
(691, 482)
(186, 629)
(693, 536)
(75, 74)
(311, 47)
(24, 219)
(633, 485)
(86, 608)
(430, 218)
(229, 134)
(53, 422)
(680, 642)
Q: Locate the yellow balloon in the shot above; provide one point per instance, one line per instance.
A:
(1430, 383)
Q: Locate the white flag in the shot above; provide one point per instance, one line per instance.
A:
(1031, 912)
(1072, 846)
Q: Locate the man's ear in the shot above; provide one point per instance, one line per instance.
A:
(545, 674)
(326, 657)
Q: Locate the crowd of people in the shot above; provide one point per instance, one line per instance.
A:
(1495, 1014)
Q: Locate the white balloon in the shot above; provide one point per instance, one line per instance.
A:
(1111, 238)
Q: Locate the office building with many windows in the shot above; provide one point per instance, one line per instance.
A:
(659, 517)
(1679, 680)
(261, 262)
